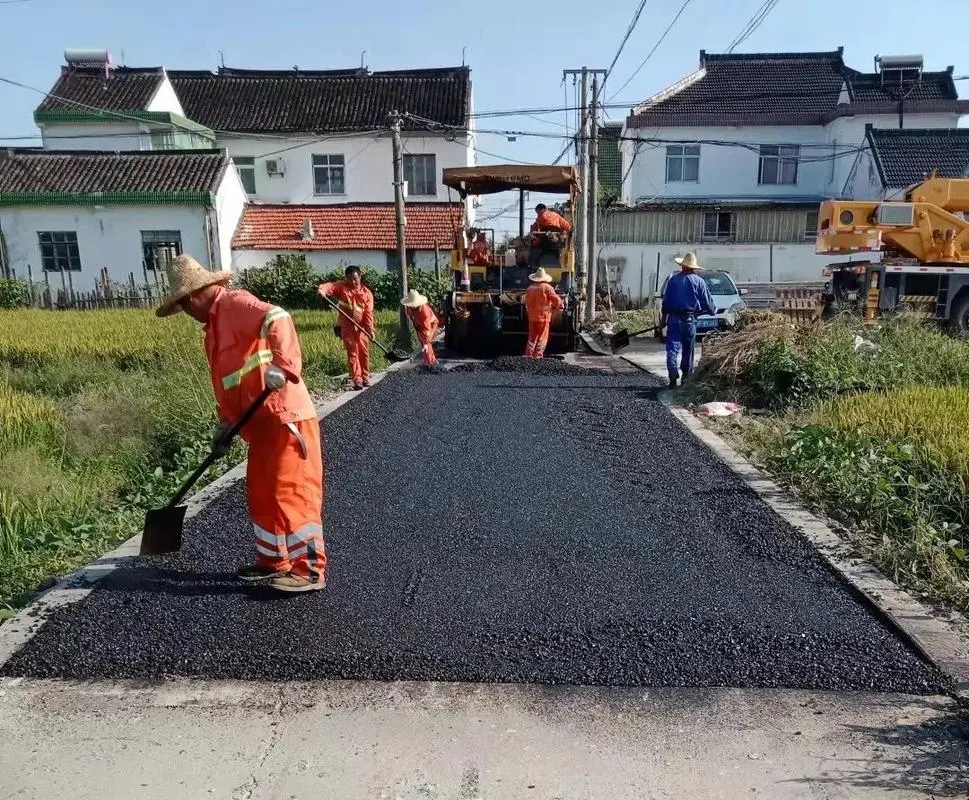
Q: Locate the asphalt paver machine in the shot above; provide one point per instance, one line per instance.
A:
(485, 313)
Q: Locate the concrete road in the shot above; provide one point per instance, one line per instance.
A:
(428, 741)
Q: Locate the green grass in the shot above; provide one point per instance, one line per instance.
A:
(877, 436)
(102, 415)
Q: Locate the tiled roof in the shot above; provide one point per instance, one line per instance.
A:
(287, 102)
(353, 226)
(784, 89)
(125, 89)
(904, 157)
(85, 173)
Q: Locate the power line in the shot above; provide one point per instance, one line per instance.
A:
(629, 32)
(753, 24)
(655, 47)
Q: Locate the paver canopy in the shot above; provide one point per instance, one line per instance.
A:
(501, 178)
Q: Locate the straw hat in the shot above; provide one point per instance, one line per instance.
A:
(186, 275)
(689, 261)
(413, 299)
(540, 276)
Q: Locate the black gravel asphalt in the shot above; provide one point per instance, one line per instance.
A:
(499, 525)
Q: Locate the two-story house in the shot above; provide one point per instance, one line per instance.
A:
(733, 160)
(311, 150)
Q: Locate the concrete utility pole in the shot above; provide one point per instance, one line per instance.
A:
(404, 332)
(592, 193)
(580, 215)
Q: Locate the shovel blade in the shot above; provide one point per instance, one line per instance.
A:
(618, 340)
(163, 531)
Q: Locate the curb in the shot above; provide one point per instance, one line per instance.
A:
(935, 640)
(19, 629)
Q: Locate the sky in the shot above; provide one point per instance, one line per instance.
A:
(516, 50)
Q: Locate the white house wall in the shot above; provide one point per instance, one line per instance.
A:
(230, 203)
(369, 168)
(730, 171)
(94, 136)
(109, 237)
(165, 99)
(635, 265)
(327, 260)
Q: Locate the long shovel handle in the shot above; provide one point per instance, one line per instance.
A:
(213, 456)
(357, 325)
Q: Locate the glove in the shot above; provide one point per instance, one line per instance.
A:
(219, 446)
(275, 378)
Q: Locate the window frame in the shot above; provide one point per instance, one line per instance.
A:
(246, 164)
(342, 166)
(718, 236)
(157, 239)
(810, 233)
(775, 155)
(69, 241)
(681, 158)
(429, 177)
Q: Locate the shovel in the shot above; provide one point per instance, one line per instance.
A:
(394, 357)
(621, 339)
(163, 526)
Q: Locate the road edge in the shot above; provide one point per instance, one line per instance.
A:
(937, 641)
(24, 625)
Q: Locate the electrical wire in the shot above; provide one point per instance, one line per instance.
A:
(629, 32)
(752, 24)
(655, 47)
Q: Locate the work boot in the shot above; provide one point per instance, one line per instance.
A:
(357, 386)
(366, 382)
(672, 383)
(294, 583)
(256, 574)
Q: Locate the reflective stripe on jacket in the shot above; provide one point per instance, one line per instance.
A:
(243, 336)
(358, 303)
(540, 301)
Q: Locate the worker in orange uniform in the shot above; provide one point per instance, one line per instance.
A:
(251, 345)
(479, 254)
(420, 313)
(546, 222)
(356, 300)
(540, 301)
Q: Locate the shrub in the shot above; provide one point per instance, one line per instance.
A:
(14, 293)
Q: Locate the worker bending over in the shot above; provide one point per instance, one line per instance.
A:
(422, 316)
(540, 302)
(250, 346)
(356, 300)
(547, 222)
(686, 296)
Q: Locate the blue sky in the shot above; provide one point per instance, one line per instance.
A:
(517, 50)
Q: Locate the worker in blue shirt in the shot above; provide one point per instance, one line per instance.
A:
(686, 296)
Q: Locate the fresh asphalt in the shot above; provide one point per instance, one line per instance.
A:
(532, 523)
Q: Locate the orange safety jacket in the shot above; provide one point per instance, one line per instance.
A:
(243, 336)
(425, 322)
(540, 301)
(358, 303)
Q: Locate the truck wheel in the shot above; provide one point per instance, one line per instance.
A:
(959, 318)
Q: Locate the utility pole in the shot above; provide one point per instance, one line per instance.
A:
(592, 193)
(580, 215)
(404, 331)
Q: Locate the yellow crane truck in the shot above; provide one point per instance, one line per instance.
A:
(485, 311)
(924, 246)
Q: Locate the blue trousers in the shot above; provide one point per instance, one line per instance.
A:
(680, 344)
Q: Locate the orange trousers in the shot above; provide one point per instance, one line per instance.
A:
(358, 354)
(284, 490)
(426, 338)
(538, 331)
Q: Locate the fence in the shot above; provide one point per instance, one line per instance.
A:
(105, 294)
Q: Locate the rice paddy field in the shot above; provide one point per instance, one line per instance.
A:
(102, 414)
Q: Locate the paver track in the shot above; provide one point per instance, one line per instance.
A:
(493, 525)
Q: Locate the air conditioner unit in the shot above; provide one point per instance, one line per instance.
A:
(275, 166)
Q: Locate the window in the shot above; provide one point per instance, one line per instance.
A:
(778, 164)
(420, 172)
(246, 167)
(718, 225)
(811, 225)
(393, 263)
(164, 140)
(58, 251)
(719, 283)
(683, 163)
(328, 174)
(158, 248)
